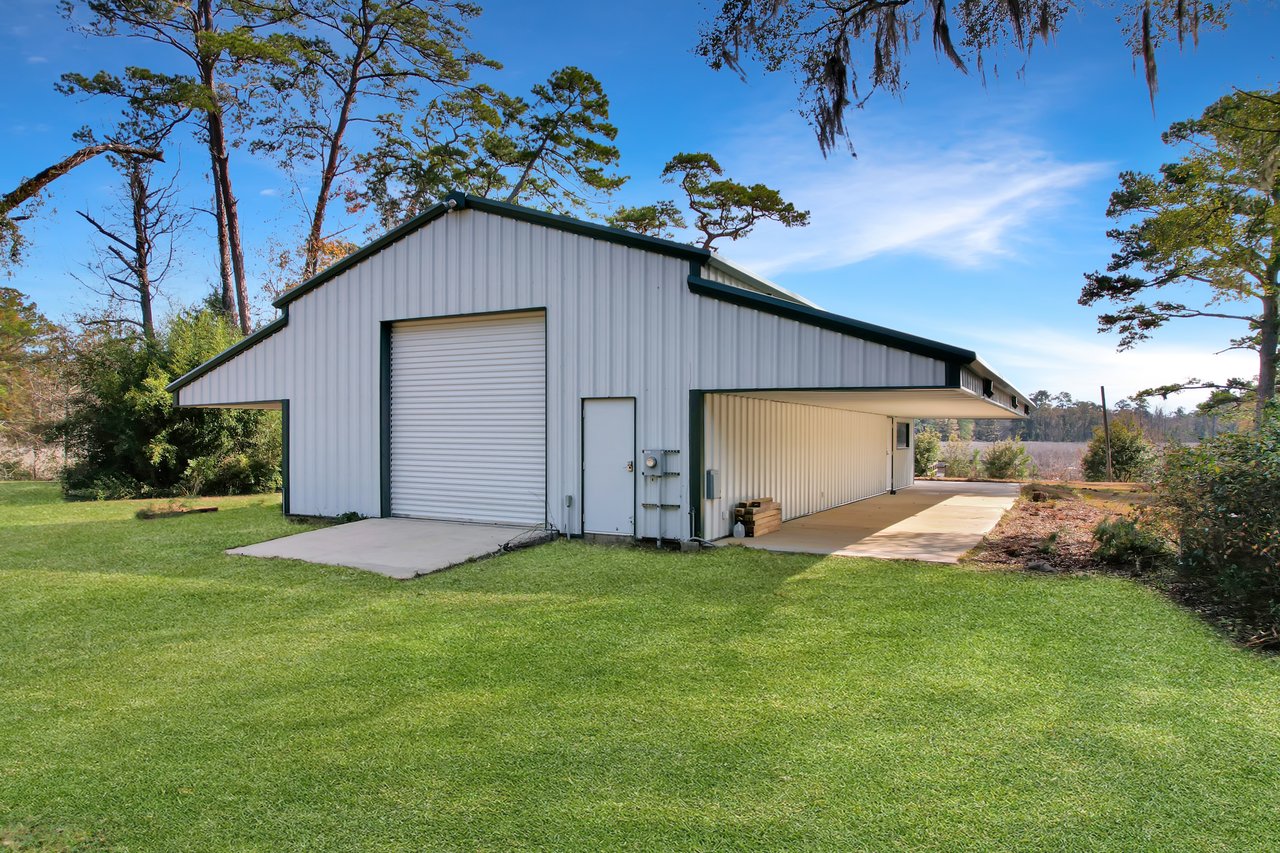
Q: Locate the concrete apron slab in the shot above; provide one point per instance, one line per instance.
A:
(399, 548)
(933, 521)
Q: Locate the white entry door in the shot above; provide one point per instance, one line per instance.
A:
(608, 466)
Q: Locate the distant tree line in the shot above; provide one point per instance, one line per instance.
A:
(1060, 417)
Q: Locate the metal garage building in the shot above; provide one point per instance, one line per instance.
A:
(491, 363)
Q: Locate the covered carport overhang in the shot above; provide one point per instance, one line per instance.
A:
(972, 391)
(912, 403)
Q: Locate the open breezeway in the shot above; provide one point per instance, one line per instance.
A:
(937, 521)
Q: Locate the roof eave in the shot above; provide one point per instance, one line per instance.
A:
(461, 201)
(228, 353)
(429, 215)
(770, 287)
(834, 322)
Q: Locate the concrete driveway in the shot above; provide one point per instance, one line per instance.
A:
(936, 521)
(400, 548)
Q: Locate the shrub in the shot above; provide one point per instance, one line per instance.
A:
(82, 484)
(130, 439)
(1132, 456)
(961, 459)
(1223, 500)
(1008, 460)
(1122, 542)
(928, 451)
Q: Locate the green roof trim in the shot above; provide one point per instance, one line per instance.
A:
(833, 322)
(229, 353)
(462, 201)
(608, 233)
(772, 288)
(430, 214)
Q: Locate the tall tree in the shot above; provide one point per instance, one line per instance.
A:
(660, 219)
(1213, 219)
(460, 141)
(554, 150)
(721, 208)
(360, 57)
(138, 249)
(139, 233)
(841, 51)
(29, 190)
(564, 144)
(215, 40)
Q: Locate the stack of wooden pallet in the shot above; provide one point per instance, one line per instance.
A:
(759, 516)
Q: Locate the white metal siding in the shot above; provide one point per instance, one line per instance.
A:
(621, 322)
(808, 458)
(468, 419)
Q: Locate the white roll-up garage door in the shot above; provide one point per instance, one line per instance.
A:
(468, 419)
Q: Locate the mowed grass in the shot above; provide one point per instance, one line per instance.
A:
(156, 694)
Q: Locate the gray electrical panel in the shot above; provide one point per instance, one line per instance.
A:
(712, 490)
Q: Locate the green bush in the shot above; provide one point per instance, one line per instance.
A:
(1121, 541)
(130, 439)
(928, 451)
(1222, 499)
(1008, 460)
(961, 459)
(1132, 456)
(82, 484)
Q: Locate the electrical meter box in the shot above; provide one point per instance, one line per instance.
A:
(711, 491)
(653, 463)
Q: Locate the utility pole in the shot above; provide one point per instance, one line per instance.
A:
(1106, 430)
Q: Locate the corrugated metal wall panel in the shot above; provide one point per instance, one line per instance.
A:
(620, 322)
(970, 381)
(808, 458)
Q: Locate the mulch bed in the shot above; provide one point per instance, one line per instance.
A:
(1048, 529)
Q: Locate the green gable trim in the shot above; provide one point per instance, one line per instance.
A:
(430, 214)
(229, 353)
(833, 322)
(462, 201)
(594, 230)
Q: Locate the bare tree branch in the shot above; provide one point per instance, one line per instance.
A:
(35, 185)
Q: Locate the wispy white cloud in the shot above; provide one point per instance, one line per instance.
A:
(37, 60)
(967, 203)
(269, 192)
(1043, 357)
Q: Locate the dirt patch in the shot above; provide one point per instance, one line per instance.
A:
(1049, 528)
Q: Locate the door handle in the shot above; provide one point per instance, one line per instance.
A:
(631, 466)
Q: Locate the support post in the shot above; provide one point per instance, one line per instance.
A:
(1106, 433)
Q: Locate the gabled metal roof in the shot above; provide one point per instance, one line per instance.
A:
(462, 201)
(769, 297)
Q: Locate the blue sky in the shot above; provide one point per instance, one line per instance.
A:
(969, 215)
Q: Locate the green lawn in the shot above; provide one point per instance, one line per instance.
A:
(156, 694)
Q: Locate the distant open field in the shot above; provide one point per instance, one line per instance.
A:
(1056, 460)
